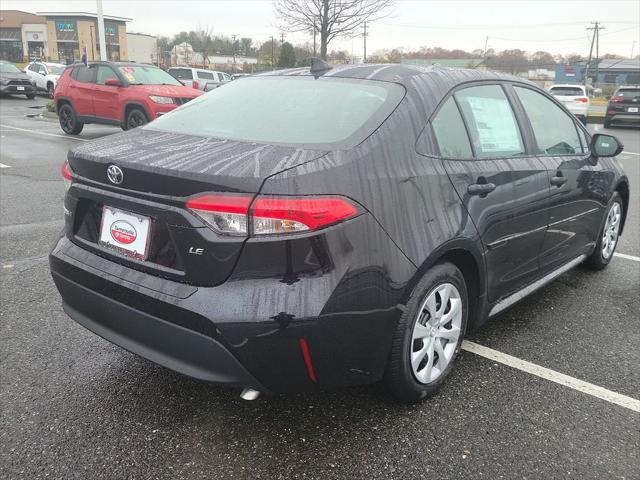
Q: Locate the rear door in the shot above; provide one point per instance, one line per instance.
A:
(578, 186)
(106, 98)
(504, 190)
(82, 89)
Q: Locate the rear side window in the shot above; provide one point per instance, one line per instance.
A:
(205, 75)
(450, 132)
(83, 74)
(301, 111)
(181, 73)
(555, 131)
(628, 93)
(220, 77)
(491, 121)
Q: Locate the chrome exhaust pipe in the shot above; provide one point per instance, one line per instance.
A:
(249, 394)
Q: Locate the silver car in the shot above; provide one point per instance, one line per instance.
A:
(199, 78)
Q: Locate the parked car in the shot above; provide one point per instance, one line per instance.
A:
(13, 81)
(335, 226)
(624, 107)
(198, 78)
(236, 76)
(44, 76)
(574, 97)
(116, 93)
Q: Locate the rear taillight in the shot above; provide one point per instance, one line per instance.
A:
(195, 84)
(67, 175)
(267, 215)
(581, 99)
(616, 99)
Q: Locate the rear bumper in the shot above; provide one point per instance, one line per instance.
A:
(248, 331)
(624, 118)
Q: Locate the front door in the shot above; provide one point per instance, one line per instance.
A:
(504, 191)
(578, 186)
(105, 100)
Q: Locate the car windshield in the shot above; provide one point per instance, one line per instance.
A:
(567, 91)
(143, 75)
(9, 68)
(55, 69)
(288, 110)
(629, 93)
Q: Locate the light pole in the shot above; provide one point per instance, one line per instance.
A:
(103, 47)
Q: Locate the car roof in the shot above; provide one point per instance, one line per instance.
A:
(628, 87)
(402, 73)
(114, 64)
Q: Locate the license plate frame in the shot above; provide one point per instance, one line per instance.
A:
(125, 232)
(20, 89)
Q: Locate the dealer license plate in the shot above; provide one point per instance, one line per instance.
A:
(20, 88)
(125, 232)
(633, 110)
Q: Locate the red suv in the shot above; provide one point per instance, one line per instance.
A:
(116, 93)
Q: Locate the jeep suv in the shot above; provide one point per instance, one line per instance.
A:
(116, 93)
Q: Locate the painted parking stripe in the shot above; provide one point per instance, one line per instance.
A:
(631, 153)
(44, 133)
(553, 376)
(2, 165)
(627, 257)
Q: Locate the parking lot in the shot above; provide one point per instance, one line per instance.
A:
(75, 406)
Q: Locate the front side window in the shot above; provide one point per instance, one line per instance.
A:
(84, 74)
(554, 129)
(220, 77)
(147, 75)
(450, 132)
(492, 124)
(103, 74)
(287, 110)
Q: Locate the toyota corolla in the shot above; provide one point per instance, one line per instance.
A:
(335, 226)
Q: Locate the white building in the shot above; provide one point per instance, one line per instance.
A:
(142, 47)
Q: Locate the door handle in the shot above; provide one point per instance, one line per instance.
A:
(558, 180)
(481, 189)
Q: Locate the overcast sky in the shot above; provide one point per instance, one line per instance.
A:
(558, 26)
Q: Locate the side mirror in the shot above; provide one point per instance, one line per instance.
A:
(113, 82)
(603, 145)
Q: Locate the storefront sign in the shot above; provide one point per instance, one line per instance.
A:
(65, 27)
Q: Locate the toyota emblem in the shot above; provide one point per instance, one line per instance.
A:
(115, 175)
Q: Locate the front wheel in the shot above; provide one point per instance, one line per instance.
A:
(135, 118)
(30, 96)
(50, 90)
(429, 335)
(69, 120)
(608, 237)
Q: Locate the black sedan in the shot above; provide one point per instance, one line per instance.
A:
(335, 226)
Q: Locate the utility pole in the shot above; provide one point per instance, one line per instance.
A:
(233, 46)
(282, 35)
(364, 58)
(595, 40)
(633, 47)
(272, 53)
(484, 52)
(103, 46)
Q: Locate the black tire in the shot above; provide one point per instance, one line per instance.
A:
(598, 260)
(30, 96)
(607, 123)
(135, 118)
(399, 375)
(69, 120)
(50, 90)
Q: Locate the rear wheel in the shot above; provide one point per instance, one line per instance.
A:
(607, 123)
(30, 96)
(608, 238)
(429, 334)
(135, 118)
(69, 120)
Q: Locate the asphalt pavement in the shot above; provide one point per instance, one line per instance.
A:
(75, 406)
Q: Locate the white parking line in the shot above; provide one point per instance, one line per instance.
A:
(553, 376)
(2, 165)
(631, 153)
(44, 133)
(628, 257)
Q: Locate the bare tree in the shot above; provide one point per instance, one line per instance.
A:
(331, 18)
(202, 40)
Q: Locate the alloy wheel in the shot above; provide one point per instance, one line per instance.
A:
(611, 230)
(66, 119)
(436, 332)
(136, 119)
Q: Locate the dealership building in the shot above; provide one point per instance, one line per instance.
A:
(22, 36)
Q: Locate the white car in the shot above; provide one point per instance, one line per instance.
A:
(44, 76)
(574, 97)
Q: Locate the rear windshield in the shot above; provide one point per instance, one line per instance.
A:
(567, 91)
(143, 75)
(181, 73)
(287, 110)
(628, 93)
